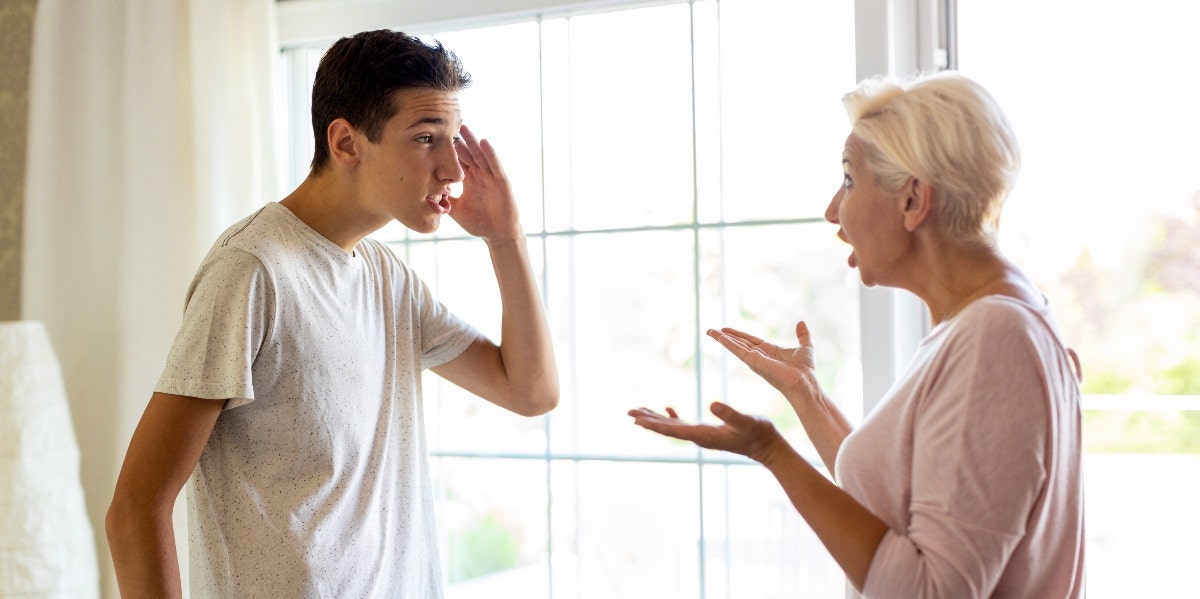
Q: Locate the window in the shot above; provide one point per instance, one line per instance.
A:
(671, 179)
(1106, 218)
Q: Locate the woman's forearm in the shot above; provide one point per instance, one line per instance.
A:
(825, 424)
(849, 531)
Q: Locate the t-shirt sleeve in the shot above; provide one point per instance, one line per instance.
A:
(443, 335)
(226, 320)
(979, 444)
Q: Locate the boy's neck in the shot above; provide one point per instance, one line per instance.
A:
(330, 209)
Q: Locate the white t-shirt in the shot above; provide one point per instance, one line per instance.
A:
(973, 461)
(315, 480)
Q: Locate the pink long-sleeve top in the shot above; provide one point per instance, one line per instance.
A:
(973, 461)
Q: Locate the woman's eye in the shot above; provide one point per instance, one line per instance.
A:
(846, 181)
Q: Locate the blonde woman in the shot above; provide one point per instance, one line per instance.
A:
(965, 480)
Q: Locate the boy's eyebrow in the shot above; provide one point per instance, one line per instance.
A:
(428, 120)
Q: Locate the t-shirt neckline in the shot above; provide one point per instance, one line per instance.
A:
(334, 250)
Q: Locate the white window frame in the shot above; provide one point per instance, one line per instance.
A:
(897, 38)
(892, 37)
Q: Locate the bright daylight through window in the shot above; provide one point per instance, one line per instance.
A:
(1106, 218)
(669, 183)
(673, 164)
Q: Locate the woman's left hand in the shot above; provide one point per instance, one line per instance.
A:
(751, 436)
(791, 370)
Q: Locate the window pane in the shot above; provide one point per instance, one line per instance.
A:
(684, 122)
(1106, 219)
(492, 524)
(784, 66)
(756, 545)
(764, 279)
(625, 530)
(460, 275)
(625, 311)
(1107, 211)
(503, 105)
(631, 125)
(295, 134)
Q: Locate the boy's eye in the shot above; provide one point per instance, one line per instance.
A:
(425, 139)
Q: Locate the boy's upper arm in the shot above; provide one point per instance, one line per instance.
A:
(165, 448)
(478, 369)
(229, 317)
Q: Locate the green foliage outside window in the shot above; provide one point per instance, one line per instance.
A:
(484, 548)
(1141, 432)
(1141, 336)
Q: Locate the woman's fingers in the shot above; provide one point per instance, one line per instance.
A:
(802, 333)
(644, 413)
(751, 356)
(670, 427)
(733, 343)
(730, 416)
(746, 337)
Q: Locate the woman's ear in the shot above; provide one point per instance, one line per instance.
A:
(340, 137)
(918, 203)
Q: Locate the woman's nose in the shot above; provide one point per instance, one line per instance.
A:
(831, 211)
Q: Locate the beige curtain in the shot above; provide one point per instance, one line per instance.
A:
(151, 129)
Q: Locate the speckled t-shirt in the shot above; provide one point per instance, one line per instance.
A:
(315, 480)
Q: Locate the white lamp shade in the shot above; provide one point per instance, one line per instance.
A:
(46, 543)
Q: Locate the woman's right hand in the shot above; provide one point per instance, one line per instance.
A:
(751, 436)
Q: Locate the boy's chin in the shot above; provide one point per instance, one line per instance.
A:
(425, 226)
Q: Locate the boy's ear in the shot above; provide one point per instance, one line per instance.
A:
(340, 136)
(918, 201)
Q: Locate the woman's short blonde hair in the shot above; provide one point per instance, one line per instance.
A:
(945, 130)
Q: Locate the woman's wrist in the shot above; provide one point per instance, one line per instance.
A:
(806, 390)
(774, 451)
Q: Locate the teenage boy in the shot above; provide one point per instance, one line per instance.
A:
(291, 398)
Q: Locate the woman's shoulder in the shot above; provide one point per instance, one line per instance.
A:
(1007, 318)
(994, 306)
(996, 313)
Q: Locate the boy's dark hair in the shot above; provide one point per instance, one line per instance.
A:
(358, 76)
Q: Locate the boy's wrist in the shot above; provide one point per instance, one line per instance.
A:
(517, 236)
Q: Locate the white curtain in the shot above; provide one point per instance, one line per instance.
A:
(151, 129)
